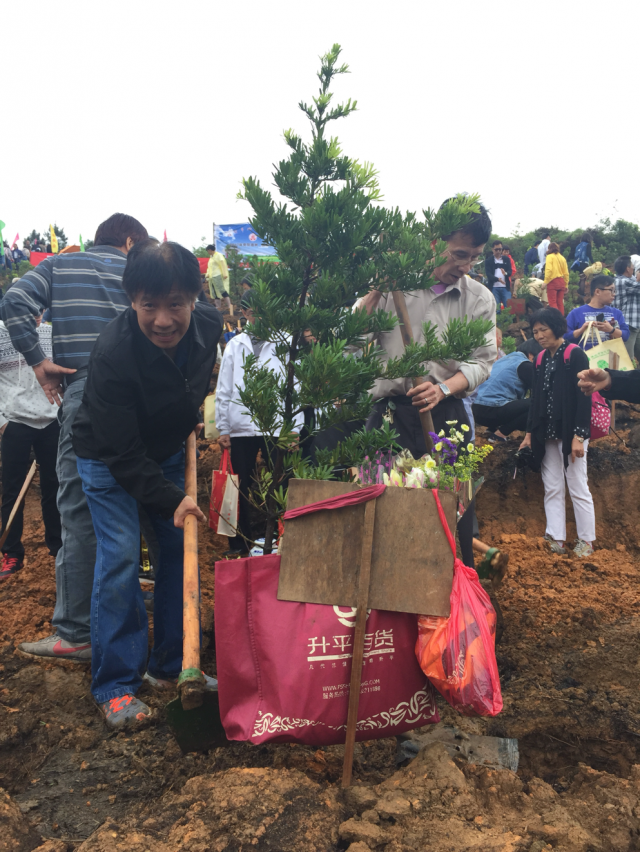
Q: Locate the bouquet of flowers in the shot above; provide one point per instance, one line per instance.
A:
(454, 460)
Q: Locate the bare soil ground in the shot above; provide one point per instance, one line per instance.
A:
(570, 668)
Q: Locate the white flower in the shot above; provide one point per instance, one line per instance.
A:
(464, 427)
(415, 479)
(441, 433)
(451, 422)
(470, 448)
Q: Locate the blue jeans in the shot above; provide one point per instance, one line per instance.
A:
(501, 295)
(119, 639)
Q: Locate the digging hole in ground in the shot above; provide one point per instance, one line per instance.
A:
(555, 757)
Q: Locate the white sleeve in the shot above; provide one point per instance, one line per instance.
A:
(224, 391)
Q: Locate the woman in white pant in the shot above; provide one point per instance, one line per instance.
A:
(558, 432)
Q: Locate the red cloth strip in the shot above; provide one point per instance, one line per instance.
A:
(363, 495)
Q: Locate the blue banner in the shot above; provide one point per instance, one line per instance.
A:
(243, 238)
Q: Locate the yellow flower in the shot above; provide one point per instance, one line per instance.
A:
(464, 427)
(430, 465)
(470, 448)
(438, 446)
(441, 433)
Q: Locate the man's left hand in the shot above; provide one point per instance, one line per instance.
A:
(604, 326)
(425, 396)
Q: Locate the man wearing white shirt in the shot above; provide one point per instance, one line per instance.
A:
(543, 248)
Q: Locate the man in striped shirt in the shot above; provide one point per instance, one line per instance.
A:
(84, 292)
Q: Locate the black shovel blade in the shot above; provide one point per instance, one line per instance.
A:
(200, 729)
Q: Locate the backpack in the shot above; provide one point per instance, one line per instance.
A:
(600, 412)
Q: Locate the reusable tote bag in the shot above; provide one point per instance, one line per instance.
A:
(284, 668)
(223, 506)
(211, 431)
(599, 355)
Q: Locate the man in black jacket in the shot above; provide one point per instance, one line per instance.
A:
(498, 271)
(148, 375)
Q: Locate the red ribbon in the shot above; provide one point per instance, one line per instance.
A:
(353, 498)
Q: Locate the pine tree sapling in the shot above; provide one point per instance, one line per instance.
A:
(335, 241)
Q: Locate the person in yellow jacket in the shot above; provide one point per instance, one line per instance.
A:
(556, 277)
(217, 277)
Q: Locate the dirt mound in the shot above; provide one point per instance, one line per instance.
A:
(569, 668)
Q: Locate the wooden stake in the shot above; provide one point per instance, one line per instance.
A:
(364, 578)
(426, 421)
(16, 505)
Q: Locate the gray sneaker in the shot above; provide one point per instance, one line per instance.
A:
(554, 546)
(54, 647)
(124, 711)
(582, 548)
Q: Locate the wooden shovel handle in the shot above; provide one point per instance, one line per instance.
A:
(400, 304)
(16, 505)
(191, 580)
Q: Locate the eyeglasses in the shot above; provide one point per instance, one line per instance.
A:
(498, 249)
(610, 290)
(464, 258)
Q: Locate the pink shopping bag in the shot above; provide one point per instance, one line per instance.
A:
(284, 668)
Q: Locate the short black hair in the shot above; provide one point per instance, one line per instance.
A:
(496, 243)
(210, 247)
(530, 347)
(154, 269)
(506, 248)
(545, 236)
(601, 282)
(478, 228)
(247, 299)
(621, 264)
(248, 280)
(552, 318)
(115, 230)
(537, 243)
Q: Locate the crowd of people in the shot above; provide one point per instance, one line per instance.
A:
(108, 392)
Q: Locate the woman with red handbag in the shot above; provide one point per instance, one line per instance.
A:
(558, 431)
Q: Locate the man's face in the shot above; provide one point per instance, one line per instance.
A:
(630, 271)
(607, 294)
(497, 251)
(211, 252)
(164, 319)
(461, 256)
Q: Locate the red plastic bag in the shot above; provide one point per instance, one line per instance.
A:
(284, 668)
(457, 654)
(224, 506)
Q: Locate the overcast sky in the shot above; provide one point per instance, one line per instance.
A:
(159, 109)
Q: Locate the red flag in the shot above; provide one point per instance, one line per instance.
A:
(165, 236)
